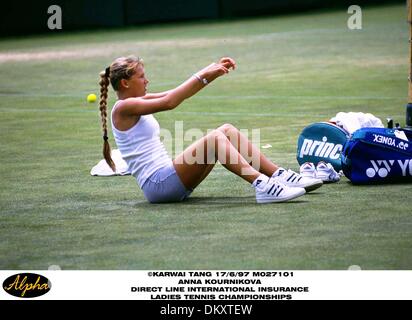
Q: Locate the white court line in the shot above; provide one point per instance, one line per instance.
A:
(222, 97)
(303, 97)
(253, 114)
(220, 114)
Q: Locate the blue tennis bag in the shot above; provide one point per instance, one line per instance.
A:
(378, 155)
(322, 141)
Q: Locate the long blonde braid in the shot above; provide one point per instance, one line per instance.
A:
(104, 88)
(121, 68)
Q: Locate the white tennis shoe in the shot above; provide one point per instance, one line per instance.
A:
(274, 191)
(326, 172)
(308, 170)
(295, 180)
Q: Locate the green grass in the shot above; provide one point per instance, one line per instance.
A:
(292, 71)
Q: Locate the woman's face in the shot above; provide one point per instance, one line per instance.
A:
(136, 84)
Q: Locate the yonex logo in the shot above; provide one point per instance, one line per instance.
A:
(403, 145)
(383, 167)
(390, 141)
(380, 167)
(405, 165)
(321, 149)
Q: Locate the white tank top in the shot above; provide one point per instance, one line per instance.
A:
(141, 148)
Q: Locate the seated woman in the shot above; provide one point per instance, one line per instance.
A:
(162, 179)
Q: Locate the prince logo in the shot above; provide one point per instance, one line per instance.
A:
(321, 149)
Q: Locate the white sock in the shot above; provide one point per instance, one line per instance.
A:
(260, 181)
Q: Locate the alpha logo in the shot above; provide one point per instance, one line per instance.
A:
(321, 149)
(384, 167)
(26, 285)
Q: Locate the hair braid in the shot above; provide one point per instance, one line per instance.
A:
(104, 88)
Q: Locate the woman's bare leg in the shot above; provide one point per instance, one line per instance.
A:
(196, 162)
(248, 150)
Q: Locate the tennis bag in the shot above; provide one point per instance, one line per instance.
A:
(322, 141)
(377, 155)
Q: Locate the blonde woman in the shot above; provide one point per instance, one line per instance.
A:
(162, 179)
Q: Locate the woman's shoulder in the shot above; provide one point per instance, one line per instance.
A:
(119, 107)
(121, 121)
(115, 106)
(123, 105)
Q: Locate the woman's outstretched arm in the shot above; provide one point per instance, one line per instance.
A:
(155, 95)
(172, 98)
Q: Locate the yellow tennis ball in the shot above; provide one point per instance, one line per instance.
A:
(91, 98)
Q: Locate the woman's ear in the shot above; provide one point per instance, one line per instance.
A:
(124, 83)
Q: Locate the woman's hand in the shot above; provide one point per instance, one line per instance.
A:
(218, 69)
(229, 63)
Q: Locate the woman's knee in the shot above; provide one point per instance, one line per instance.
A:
(216, 134)
(225, 128)
(216, 137)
